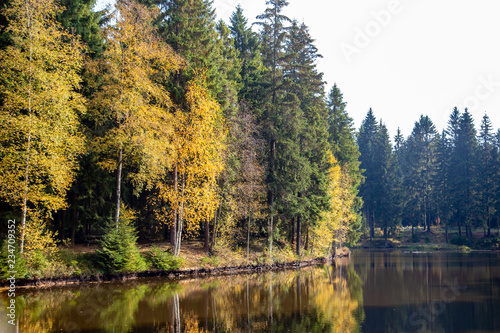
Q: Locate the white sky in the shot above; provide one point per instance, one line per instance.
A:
(418, 57)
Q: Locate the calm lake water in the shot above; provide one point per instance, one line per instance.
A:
(371, 292)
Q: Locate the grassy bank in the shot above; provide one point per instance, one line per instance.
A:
(81, 262)
(435, 240)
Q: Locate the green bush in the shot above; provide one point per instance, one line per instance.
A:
(458, 240)
(163, 260)
(118, 251)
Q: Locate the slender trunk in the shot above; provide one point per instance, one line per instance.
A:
(292, 238)
(173, 227)
(446, 231)
(215, 233)
(306, 245)
(180, 219)
(385, 236)
(207, 236)
(334, 250)
(271, 236)
(63, 225)
(372, 229)
(28, 147)
(73, 231)
(459, 225)
(299, 229)
(271, 200)
(248, 241)
(489, 220)
(118, 186)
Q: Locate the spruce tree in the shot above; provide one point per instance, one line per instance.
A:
(273, 36)
(342, 139)
(487, 187)
(80, 18)
(367, 142)
(252, 70)
(465, 157)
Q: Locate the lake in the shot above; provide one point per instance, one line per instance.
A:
(370, 292)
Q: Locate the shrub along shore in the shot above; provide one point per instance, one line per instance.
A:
(85, 267)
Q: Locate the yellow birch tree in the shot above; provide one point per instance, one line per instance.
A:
(332, 228)
(39, 115)
(134, 100)
(199, 142)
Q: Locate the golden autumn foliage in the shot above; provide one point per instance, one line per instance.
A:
(198, 142)
(39, 125)
(333, 226)
(132, 100)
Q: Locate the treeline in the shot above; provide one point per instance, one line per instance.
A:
(447, 179)
(160, 118)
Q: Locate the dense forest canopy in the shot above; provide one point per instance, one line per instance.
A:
(157, 119)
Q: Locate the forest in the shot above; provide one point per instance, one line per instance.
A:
(155, 122)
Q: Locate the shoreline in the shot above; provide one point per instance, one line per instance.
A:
(170, 275)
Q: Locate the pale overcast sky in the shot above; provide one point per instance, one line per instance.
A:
(403, 58)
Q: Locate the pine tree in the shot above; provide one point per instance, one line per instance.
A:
(273, 35)
(487, 187)
(423, 164)
(252, 70)
(189, 27)
(442, 181)
(308, 177)
(80, 19)
(466, 172)
(367, 142)
(383, 171)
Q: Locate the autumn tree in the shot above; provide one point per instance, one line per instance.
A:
(342, 139)
(198, 142)
(132, 105)
(242, 183)
(39, 128)
(332, 229)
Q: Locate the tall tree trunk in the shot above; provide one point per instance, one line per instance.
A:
(28, 146)
(372, 228)
(248, 241)
(118, 186)
(180, 219)
(489, 220)
(63, 225)
(306, 245)
(299, 230)
(271, 198)
(446, 231)
(173, 227)
(207, 236)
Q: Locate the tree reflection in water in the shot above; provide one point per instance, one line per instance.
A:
(315, 299)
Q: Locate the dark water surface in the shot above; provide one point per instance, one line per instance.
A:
(371, 292)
